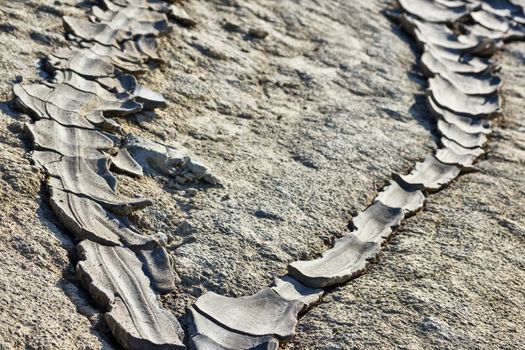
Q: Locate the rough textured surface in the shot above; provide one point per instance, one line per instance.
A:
(292, 178)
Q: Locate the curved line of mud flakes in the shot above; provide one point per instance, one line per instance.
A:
(77, 143)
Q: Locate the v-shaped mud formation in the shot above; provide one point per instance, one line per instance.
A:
(78, 143)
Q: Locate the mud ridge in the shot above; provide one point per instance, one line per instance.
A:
(76, 139)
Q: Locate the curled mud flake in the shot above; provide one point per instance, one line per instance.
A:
(119, 83)
(433, 11)
(468, 124)
(80, 83)
(461, 150)
(111, 5)
(501, 8)
(346, 260)
(123, 162)
(68, 141)
(394, 196)
(139, 21)
(449, 97)
(440, 35)
(88, 178)
(205, 334)
(430, 175)
(448, 156)
(479, 30)
(114, 278)
(29, 103)
(86, 219)
(40, 109)
(148, 47)
(375, 223)
(81, 61)
(74, 100)
(154, 5)
(34, 97)
(149, 154)
(291, 289)
(156, 157)
(97, 32)
(455, 3)
(158, 267)
(52, 160)
(98, 14)
(148, 98)
(124, 59)
(130, 48)
(459, 63)
(473, 84)
(490, 21)
(180, 16)
(519, 3)
(97, 119)
(464, 139)
(516, 32)
(261, 314)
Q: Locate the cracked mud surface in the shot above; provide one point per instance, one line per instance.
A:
(302, 128)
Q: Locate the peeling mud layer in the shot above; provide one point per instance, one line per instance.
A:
(301, 111)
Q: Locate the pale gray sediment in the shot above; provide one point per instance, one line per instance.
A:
(80, 177)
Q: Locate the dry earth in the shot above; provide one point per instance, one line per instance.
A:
(302, 128)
